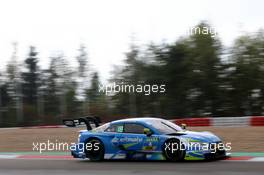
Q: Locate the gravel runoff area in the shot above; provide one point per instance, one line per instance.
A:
(248, 139)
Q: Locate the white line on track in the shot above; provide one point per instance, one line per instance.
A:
(8, 156)
(257, 159)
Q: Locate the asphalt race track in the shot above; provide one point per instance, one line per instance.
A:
(65, 167)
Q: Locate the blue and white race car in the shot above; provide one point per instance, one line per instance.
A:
(143, 139)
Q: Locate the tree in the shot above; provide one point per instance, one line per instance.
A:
(82, 59)
(129, 103)
(14, 90)
(82, 84)
(173, 70)
(62, 84)
(31, 77)
(93, 92)
(4, 100)
(97, 101)
(205, 62)
(190, 70)
(247, 76)
(51, 94)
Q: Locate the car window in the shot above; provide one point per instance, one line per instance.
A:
(115, 128)
(164, 126)
(134, 128)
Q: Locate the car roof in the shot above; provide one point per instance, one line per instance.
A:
(139, 119)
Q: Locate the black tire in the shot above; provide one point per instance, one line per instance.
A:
(176, 155)
(95, 154)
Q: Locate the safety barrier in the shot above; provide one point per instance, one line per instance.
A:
(222, 121)
(257, 121)
(206, 121)
(194, 121)
(230, 121)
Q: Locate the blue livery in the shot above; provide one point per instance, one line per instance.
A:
(146, 139)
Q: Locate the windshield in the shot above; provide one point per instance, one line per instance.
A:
(101, 128)
(164, 126)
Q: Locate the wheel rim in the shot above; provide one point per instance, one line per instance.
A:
(94, 154)
(173, 155)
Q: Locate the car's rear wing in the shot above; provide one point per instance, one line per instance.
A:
(87, 121)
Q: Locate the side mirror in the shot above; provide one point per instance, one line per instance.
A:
(183, 126)
(147, 132)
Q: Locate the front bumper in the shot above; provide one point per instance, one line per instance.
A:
(204, 153)
(214, 156)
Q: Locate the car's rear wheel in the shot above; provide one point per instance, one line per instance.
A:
(173, 151)
(94, 149)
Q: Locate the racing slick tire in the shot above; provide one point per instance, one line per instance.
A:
(95, 149)
(170, 154)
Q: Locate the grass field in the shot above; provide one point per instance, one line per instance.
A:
(248, 139)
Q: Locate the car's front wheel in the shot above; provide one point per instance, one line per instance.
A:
(94, 149)
(173, 150)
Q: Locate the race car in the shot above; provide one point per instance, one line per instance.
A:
(143, 139)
